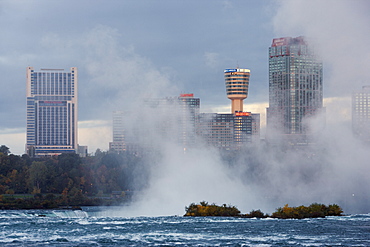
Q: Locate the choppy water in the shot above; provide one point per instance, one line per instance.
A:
(90, 227)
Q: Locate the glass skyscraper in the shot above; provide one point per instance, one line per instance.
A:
(295, 87)
(51, 112)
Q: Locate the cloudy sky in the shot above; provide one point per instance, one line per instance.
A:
(127, 50)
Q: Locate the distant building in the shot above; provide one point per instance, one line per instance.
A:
(295, 89)
(228, 131)
(51, 112)
(237, 82)
(118, 144)
(246, 124)
(82, 151)
(216, 129)
(361, 113)
(189, 111)
(177, 118)
(256, 127)
(171, 119)
(231, 131)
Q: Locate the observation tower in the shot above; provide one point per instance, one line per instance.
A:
(237, 81)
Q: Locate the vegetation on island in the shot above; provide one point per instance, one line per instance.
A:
(68, 179)
(315, 210)
(204, 209)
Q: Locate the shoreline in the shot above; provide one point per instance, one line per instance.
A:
(56, 201)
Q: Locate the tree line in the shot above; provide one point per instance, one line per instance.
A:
(69, 174)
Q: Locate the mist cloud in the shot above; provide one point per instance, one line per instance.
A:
(336, 167)
(333, 169)
(112, 73)
(339, 30)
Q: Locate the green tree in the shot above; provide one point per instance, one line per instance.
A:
(256, 214)
(317, 210)
(5, 164)
(334, 210)
(37, 176)
(69, 161)
(4, 149)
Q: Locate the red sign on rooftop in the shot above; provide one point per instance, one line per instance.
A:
(288, 41)
(238, 114)
(186, 95)
(280, 41)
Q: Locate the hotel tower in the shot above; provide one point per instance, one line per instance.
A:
(295, 88)
(237, 82)
(51, 112)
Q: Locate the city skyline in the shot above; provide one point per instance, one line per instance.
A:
(130, 45)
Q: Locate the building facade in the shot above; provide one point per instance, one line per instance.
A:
(51, 111)
(361, 114)
(216, 130)
(295, 88)
(227, 131)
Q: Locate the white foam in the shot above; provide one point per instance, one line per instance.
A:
(71, 213)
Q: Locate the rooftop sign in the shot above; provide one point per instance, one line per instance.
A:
(280, 41)
(236, 70)
(239, 114)
(187, 95)
(288, 41)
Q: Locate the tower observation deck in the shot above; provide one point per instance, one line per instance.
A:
(237, 82)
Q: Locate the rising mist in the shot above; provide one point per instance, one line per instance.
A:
(334, 170)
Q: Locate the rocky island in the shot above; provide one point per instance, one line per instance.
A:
(315, 210)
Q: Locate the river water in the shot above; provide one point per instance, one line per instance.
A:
(96, 227)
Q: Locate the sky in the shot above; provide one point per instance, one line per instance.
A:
(129, 50)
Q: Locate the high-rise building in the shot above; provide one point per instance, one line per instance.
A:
(295, 88)
(167, 119)
(51, 111)
(256, 127)
(361, 113)
(189, 111)
(176, 117)
(118, 144)
(237, 82)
